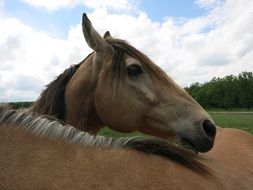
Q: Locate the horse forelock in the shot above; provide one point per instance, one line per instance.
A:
(122, 48)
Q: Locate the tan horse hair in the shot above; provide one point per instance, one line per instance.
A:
(29, 161)
(54, 130)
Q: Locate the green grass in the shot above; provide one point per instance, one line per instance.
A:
(242, 121)
(111, 133)
(231, 110)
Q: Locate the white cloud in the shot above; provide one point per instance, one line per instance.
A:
(52, 5)
(209, 3)
(216, 44)
(28, 54)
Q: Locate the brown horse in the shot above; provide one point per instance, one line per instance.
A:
(36, 153)
(29, 142)
(120, 87)
(232, 158)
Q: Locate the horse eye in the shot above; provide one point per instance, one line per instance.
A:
(134, 70)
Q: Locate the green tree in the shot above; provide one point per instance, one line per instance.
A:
(245, 82)
(227, 92)
(230, 94)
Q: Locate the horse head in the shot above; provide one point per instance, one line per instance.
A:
(127, 92)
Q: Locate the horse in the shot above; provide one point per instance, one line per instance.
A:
(118, 86)
(29, 140)
(37, 153)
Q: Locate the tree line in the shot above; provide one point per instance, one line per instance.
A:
(227, 92)
(16, 105)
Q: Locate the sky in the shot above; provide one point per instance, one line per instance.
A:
(191, 40)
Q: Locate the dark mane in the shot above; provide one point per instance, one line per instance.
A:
(54, 130)
(51, 100)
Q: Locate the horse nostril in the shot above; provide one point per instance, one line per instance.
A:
(209, 129)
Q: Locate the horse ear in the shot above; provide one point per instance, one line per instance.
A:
(107, 35)
(92, 37)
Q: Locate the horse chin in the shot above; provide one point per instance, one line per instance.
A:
(189, 146)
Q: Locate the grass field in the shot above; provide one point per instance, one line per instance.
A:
(232, 119)
(239, 120)
(111, 133)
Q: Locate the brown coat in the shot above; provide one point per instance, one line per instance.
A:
(28, 162)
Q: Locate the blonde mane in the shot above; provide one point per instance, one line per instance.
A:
(52, 129)
(55, 130)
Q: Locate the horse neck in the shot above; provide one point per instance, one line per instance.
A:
(80, 110)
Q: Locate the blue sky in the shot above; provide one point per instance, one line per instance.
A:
(171, 8)
(58, 22)
(191, 40)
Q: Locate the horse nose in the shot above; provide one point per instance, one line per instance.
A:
(209, 129)
(203, 140)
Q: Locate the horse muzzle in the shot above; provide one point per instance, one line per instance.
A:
(201, 139)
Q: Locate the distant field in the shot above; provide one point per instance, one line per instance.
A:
(241, 119)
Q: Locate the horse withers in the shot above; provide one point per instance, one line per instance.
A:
(120, 87)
